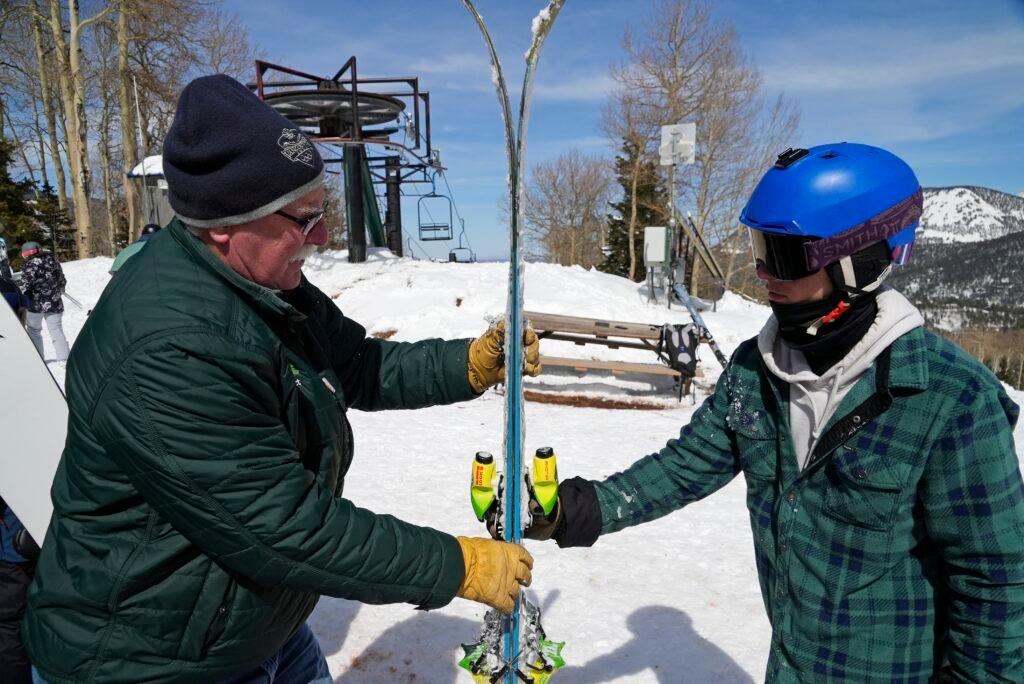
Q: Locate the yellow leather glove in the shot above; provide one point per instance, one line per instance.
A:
(487, 357)
(494, 572)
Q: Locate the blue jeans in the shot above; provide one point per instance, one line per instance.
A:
(300, 661)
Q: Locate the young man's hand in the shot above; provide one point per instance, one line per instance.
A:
(543, 526)
(495, 571)
(487, 357)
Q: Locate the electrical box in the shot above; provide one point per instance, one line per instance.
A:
(657, 245)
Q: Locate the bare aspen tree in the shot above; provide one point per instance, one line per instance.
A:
(126, 105)
(106, 46)
(564, 212)
(682, 65)
(46, 96)
(72, 89)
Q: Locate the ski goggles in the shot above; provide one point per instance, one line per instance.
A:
(791, 257)
(783, 256)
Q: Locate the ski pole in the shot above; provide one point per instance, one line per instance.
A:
(71, 299)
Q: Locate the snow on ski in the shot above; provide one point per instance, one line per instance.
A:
(511, 647)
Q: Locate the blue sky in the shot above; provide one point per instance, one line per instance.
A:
(940, 83)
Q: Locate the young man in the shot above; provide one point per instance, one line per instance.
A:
(198, 509)
(42, 281)
(883, 487)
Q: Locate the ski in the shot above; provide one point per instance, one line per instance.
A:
(514, 648)
(701, 248)
(684, 296)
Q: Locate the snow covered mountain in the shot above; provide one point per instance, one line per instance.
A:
(965, 268)
(969, 214)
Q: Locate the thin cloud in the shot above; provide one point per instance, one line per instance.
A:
(581, 89)
(461, 63)
(896, 61)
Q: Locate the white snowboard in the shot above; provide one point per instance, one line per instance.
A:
(34, 420)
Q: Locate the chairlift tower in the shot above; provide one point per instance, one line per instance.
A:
(349, 112)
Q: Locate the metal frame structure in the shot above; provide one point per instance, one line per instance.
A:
(418, 158)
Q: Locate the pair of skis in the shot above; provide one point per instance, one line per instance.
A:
(513, 648)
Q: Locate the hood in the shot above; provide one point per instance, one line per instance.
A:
(896, 316)
(812, 398)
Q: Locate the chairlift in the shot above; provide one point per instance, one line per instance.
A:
(433, 230)
(460, 254)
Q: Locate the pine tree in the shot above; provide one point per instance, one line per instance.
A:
(28, 214)
(16, 215)
(652, 203)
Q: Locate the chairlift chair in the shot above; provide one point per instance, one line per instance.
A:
(434, 230)
(460, 254)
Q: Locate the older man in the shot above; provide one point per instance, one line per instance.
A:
(198, 504)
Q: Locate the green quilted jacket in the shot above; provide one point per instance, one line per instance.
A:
(198, 510)
(899, 549)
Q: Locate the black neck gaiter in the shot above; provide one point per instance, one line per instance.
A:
(834, 340)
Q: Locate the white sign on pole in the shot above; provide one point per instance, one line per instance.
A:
(678, 143)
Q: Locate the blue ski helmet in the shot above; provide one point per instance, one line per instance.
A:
(821, 206)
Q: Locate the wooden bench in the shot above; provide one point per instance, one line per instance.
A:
(611, 334)
(582, 331)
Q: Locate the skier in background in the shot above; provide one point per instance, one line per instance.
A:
(42, 281)
(198, 508)
(131, 250)
(883, 485)
(14, 297)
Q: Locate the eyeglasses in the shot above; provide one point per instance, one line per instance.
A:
(308, 223)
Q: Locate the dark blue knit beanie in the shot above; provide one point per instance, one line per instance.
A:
(229, 158)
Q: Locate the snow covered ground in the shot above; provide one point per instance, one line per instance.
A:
(675, 600)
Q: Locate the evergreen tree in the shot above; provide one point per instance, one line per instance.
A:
(17, 223)
(28, 214)
(652, 210)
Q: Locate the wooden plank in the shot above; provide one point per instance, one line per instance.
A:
(592, 326)
(614, 366)
(611, 344)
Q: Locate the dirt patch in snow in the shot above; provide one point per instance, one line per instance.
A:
(383, 334)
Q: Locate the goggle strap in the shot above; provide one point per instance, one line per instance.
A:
(846, 263)
(870, 287)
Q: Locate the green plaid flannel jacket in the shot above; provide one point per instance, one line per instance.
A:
(899, 549)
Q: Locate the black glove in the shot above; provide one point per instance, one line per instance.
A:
(25, 545)
(575, 519)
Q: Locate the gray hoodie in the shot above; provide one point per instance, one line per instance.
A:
(812, 398)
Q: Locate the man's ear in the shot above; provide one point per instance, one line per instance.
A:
(219, 236)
